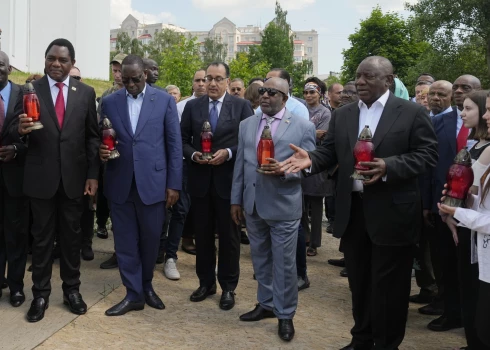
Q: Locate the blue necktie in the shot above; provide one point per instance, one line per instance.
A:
(213, 116)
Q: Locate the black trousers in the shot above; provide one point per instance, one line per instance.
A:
(44, 212)
(14, 237)
(203, 213)
(315, 232)
(102, 211)
(425, 275)
(379, 278)
(87, 222)
(483, 314)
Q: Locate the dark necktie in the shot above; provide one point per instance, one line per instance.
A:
(59, 106)
(213, 115)
(2, 112)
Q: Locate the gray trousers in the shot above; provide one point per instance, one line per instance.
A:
(273, 249)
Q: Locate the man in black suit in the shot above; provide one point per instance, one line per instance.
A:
(209, 183)
(14, 210)
(378, 219)
(61, 166)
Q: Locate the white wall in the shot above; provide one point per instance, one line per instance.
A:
(28, 26)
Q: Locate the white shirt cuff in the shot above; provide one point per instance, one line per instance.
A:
(230, 155)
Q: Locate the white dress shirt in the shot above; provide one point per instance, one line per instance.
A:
(134, 107)
(55, 90)
(181, 106)
(370, 116)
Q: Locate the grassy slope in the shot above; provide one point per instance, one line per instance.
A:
(99, 85)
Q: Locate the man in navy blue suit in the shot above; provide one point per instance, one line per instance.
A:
(143, 181)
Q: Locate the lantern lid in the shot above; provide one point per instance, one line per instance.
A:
(463, 157)
(266, 133)
(206, 126)
(28, 88)
(106, 123)
(366, 134)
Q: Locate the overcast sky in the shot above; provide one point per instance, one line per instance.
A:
(334, 20)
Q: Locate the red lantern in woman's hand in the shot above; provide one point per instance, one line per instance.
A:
(459, 179)
(363, 152)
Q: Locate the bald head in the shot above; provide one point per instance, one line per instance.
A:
(273, 100)
(5, 69)
(380, 63)
(151, 70)
(374, 77)
(277, 83)
(440, 94)
(463, 86)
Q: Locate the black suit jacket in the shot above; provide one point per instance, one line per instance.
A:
(13, 171)
(405, 139)
(68, 154)
(196, 111)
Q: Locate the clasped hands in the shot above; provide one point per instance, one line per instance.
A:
(219, 157)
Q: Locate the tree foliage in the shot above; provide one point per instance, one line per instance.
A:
(123, 43)
(162, 41)
(386, 35)
(214, 50)
(179, 62)
(240, 67)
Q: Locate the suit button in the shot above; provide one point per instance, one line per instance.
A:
(254, 185)
(134, 143)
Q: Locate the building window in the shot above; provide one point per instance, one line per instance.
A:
(310, 50)
(310, 38)
(156, 30)
(146, 31)
(253, 38)
(113, 45)
(230, 49)
(133, 32)
(298, 58)
(297, 47)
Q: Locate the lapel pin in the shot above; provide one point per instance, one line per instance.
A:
(74, 88)
(287, 121)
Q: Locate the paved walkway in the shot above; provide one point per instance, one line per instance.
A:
(323, 319)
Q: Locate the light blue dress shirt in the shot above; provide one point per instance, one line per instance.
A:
(134, 107)
(5, 95)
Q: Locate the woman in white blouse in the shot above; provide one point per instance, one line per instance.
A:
(477, 218)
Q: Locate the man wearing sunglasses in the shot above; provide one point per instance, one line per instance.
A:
(209, 183)
(272, 202)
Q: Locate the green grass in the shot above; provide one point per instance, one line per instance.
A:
(99, 85)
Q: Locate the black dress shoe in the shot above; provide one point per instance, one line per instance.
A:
(188, 246)
(436, 308)
(443, 324)
(303, 282)
(351, 346)
(110, 263)
(124, 307)
(87, 253)
(244, 238)
(75, 303)
(17, 299)
(421, 298)
(102, 233)
(29, 268)
(202, 293)
(257, 314)
(337, 262)
(153, 300)
(4, 285)
(343, 273)
(329, 227)
(36, 311)
(227, 300)
(286, 330)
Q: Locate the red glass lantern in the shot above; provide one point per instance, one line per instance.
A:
(206, 141)
(265, 148)
(109, 138)
(459, 179)
(363, 152)
(31, 106)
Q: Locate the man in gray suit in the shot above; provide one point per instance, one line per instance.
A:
(272, 202)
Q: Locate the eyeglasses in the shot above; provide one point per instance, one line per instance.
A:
(236, 89)
(349, 92)
(309, 92)
(77, 77)
(217, 79)
(270, 91)
(133, 79)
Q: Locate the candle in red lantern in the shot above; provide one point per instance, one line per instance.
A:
(31, 106)
(265, 148)
(363, 152)
(206, 141)
(459, 179)
(109, 138)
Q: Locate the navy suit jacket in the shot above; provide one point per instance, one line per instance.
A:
(434, 180)
(152, 155)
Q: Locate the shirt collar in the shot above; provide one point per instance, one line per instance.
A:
(278, 115)
(53, 82)
(447, 110)
(141, 94)
(6, 91)
(219, 99)
(382, 100)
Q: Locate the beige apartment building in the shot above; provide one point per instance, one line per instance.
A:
(237, 39)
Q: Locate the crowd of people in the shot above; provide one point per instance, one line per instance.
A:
(166, 188)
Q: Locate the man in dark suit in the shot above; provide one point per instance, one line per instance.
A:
(209, 183)
(378, 218)
(14, 212)
(143, 181)
(61, 166)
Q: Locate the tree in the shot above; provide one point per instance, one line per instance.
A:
(137, 48)
(299, 72)
(386, 35)
(447, 24)
(179, 62)
(332, 79)
(240, 67)
(161, 41)
(123, 43)
(214, 50)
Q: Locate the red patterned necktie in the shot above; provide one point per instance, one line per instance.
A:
(60, 104)
(462, 138)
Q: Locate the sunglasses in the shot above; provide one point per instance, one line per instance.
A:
(309, 92)
(270, 91)
(134, 80)
(77, 77)
(348, 92)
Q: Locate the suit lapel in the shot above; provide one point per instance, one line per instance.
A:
(14, 95)
(450, 128)
(146, 109)
(353, 124)
(44, 92)
(71, 100)
(390, 113)
(283, 126)
(122, 108)
(225, 112)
